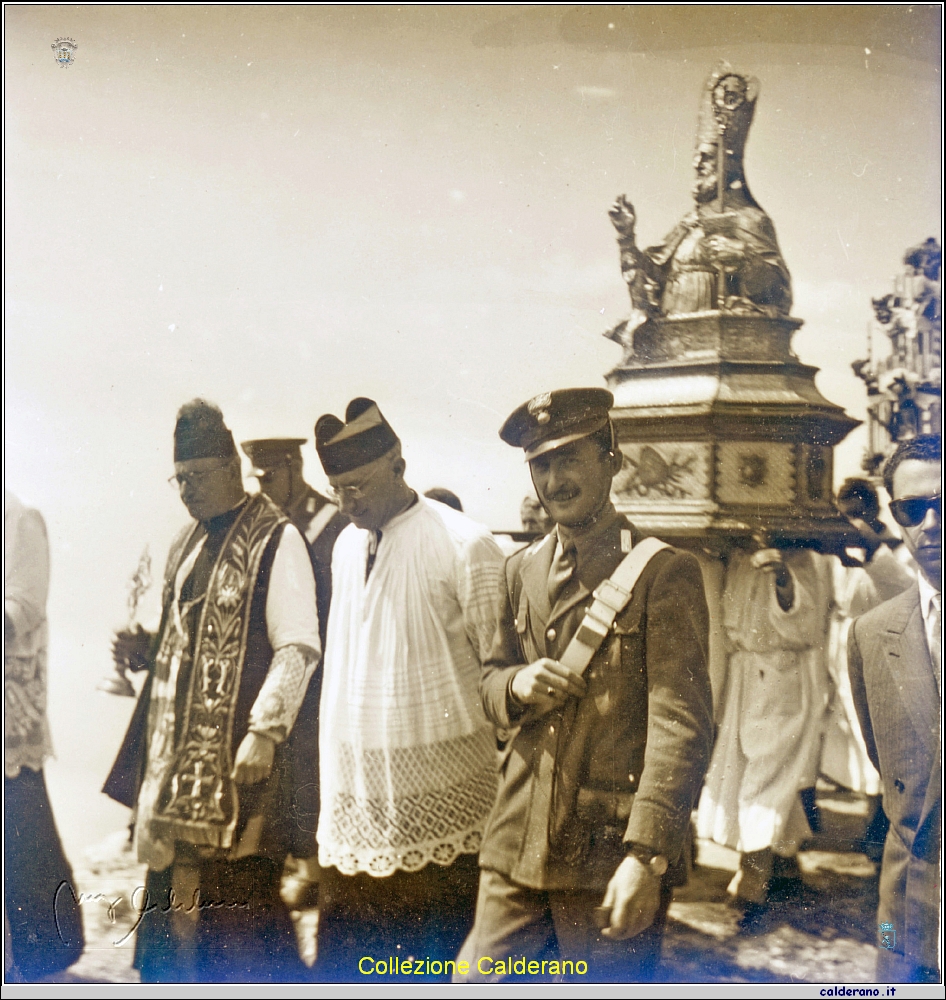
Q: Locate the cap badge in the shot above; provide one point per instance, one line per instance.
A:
(538, 407)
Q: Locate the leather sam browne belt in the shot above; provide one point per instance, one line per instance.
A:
(610, 598)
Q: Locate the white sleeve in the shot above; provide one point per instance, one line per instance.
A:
(27, 574)
(292, 624)
(480, 574)
(292, 618)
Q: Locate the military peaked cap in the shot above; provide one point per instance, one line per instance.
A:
(553, 419)
(267, 453)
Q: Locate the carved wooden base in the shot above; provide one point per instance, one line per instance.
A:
(725, 436)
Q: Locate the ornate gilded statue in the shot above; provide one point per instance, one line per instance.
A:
(723, 256)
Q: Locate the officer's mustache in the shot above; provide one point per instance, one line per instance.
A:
(563, 495)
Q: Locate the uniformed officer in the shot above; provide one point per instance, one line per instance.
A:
(604, 764)
(277, 464)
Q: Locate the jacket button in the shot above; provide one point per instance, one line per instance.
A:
(551, 729)
(631, 778)
(551, 635)
(899, 785)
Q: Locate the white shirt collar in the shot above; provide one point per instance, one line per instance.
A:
(927, 593)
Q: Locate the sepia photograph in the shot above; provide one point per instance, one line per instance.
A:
(472, 496)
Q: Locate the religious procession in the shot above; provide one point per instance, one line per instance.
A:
(685, 713)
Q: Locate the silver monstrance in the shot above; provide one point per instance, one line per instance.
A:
(118, 682)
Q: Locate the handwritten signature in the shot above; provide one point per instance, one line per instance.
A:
(141, 903)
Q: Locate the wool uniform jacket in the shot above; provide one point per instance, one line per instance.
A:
(898, 705)
(626, 761)
(303, 741)
(320, 538)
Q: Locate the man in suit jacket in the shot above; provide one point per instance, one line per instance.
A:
(601, 769)
(896, 679)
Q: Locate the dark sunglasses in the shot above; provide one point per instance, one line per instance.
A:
(911, 511)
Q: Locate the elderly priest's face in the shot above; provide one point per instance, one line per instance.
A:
(209, 486)
(370, 496)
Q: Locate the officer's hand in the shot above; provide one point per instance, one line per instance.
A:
(546, 684)
(130, 649)
(254, 759)
(633, 895)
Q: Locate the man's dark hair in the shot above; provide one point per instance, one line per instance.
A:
(858, 498)
(604, 438)
(926, 448)
(446, 496)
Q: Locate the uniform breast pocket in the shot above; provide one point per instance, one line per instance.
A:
(522, 615)
(626, 668)
(527, 646)
(628, 641)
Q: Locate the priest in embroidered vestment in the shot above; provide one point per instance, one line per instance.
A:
(408, 759)
(205, 762)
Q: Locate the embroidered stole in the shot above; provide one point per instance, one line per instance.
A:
(197, 801)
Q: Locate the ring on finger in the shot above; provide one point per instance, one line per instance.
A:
(551, 690)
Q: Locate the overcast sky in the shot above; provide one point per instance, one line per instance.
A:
(282, 208)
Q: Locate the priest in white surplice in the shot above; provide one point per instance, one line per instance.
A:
(408, 759)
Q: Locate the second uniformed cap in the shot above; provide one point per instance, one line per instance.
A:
(265, 453)
(553, 419)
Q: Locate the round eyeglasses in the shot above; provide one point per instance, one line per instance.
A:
(180, 479)
(351, 494)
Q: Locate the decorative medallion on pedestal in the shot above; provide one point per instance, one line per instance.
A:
(724, 433)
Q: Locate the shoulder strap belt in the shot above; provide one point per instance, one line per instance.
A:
(319, 522)
(610, 598)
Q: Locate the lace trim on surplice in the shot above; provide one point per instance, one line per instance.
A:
(445, 792)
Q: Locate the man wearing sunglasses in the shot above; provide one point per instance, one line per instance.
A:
(894, 659)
